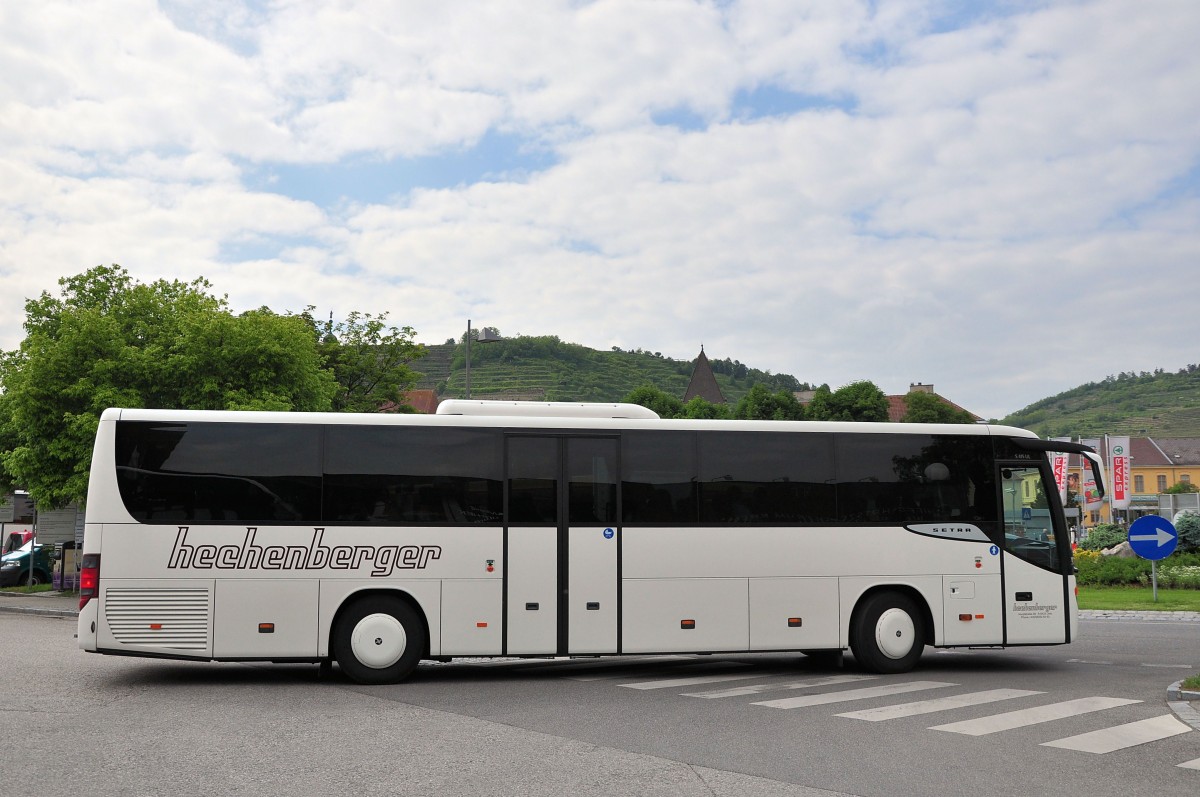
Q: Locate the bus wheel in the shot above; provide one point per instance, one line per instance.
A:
(378, 640)
(888, 635)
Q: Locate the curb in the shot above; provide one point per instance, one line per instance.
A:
(1178, 699)
(38, 610)
(58, 604)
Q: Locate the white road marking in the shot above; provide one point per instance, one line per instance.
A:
(671, 683)
(853, 694)
(1119, 737)
(938, 704)
(1033, 716)
(754, 689)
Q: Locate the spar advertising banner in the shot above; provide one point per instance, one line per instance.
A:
(1118, 471)
(1089, 494)
(1059, 460)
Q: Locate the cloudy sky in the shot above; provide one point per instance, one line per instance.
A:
(999, 198)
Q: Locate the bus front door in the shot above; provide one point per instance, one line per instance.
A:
(562, 542)
(1036, 559)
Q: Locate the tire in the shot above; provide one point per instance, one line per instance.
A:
(888, 635)
(33, 579)
(378, 640)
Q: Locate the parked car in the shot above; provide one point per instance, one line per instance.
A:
(14, 567)
(15, 540)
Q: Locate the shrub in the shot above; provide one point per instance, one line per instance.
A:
(1188, 526)
(1178, 571)
(1179, 576)
(1097, 570)
(1104, 536)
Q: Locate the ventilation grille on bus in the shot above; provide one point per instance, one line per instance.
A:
(170, 618)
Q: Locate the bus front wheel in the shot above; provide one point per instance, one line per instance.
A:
(888, 634)
(378, 640)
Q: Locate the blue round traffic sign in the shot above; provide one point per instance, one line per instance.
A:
(1153, 537)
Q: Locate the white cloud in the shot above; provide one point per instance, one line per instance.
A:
(948, 201)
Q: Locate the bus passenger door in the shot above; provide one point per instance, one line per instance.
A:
(1036, 558)
(589, 593)
(534, 496)
(562, 542)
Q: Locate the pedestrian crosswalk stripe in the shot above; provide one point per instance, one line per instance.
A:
(1193, 764)
(614, 673)
(1122, 736)
(853, 694)
(755, 689)
(938, 704)
(1033, 716)
(670, 683)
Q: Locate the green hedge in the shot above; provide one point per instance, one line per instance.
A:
(1177, 571)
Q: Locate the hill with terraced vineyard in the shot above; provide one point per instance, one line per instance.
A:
(547, 369)
(1157, 404)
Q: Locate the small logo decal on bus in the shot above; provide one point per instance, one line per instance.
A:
(383, 559)
(608, 534)
(950, 531)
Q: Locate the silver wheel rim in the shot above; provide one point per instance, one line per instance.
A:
(378, 641)
(895, 633)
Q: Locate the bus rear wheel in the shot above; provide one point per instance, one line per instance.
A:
(378, 640)
(888, 635)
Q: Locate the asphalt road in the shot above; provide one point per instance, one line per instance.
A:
(692, 725)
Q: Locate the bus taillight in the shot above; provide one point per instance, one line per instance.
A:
(89, 578)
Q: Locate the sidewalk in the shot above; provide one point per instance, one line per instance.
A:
(1186, 705)
(47, 604)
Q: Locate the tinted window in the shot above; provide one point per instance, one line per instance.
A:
(592, 481)
(1028, 521)
(659, 472)
(770, 478)
(219, 472)
(533, 481)
(405, 475)
(888, 478)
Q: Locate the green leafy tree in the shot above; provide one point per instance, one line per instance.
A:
(666, 405)
(108, 341)
(1181, 487)
(704, 410)
(760, 404)
(371, 361)
(928, 408)
(857, 401)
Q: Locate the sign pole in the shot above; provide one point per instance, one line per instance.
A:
(1153, 537)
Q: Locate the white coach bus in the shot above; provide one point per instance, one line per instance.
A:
(501, 529)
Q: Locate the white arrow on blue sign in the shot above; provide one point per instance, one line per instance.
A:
(1153, 537)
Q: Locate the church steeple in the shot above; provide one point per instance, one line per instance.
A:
(704, 382)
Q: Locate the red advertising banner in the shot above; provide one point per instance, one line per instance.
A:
(1059, 462)
(1118, 448)
(1091, 494)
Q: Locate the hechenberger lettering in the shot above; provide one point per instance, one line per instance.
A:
(383, 559)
